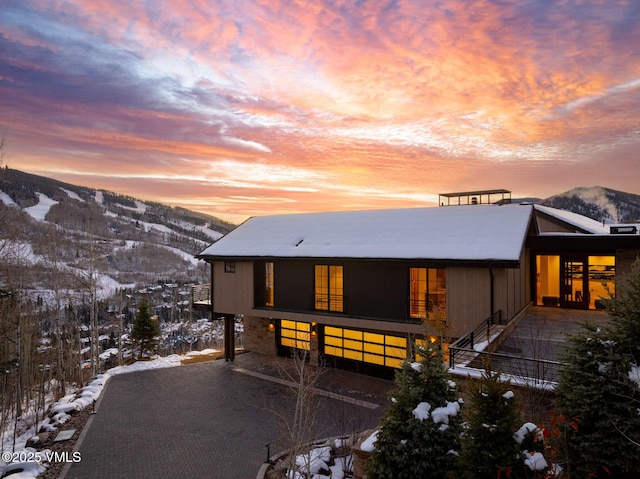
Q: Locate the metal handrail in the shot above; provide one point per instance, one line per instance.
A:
(537, 369)
(485, 326)
(335, 303)
(201, 293)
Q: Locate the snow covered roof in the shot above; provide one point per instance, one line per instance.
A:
(455, 233)
(582, 222)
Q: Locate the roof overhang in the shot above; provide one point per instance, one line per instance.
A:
(582, 243)
(470, 263)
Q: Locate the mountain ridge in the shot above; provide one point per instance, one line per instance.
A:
(21, 188)
(136, 241)
(599, 203)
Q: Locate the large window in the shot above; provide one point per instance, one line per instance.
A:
(575, 282)
(602, 280)
(374, 348)
(427, 291)
(548, 280)
(328, 288)
(269, 294)
(295, 334)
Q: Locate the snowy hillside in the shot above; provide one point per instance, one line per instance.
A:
(53, 224)
(601, 204)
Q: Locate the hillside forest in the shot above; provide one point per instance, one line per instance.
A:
(75, 263)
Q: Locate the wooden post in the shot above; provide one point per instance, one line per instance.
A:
(229, 338)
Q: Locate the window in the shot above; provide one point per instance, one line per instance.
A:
(418, 292)
(437, 290)
(602, 280)
(368, 347)
(295, 334)
(328, 288)
(548, 280)
(561, 280)
(229, 266)
(427, 291)
(269, 293)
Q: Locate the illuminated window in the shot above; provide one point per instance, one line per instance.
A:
(548, 280)
(418, 292)
(295, 334)
(602, 280)
(329, 287)
(437, 290)
(269, 293)
(561, 281)
(367, 347)
(427, 291)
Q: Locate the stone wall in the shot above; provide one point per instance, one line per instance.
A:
(258, 337)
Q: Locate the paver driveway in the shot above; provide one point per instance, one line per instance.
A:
(207, 420)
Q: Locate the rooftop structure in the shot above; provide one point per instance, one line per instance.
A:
(474, 197)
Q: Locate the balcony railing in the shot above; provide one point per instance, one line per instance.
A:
(473, 350)
(328, 302)
(201, 296)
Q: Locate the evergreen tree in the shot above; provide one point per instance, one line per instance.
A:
(489, 449)
(419, 434)
(626, 332)
(145, 330)
(625, 312)
(599, 403)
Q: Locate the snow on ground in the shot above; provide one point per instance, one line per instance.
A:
(155, 226)
(106, 285)
(129, 244)
(481, 346)
(140, 207)
(19, 251)
(463, 371)
(204, 352)
(6, 199)
(73, 195)
(40, 210)
(186, 256)
(368, 445)
(86, 397)
(213, 234)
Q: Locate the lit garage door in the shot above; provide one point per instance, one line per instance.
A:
(372, 348)
(295, 334)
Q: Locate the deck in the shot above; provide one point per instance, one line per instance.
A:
(530, 351)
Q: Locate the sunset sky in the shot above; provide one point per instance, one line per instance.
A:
(240, 108)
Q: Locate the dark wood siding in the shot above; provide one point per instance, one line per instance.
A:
(372, 289)
(293, 282)
(259, 284)
(376, 290)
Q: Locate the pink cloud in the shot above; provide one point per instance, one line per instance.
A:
(292, 106)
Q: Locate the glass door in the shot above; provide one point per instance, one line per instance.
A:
(575, 292)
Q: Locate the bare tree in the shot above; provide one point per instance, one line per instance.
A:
(533, 364)
(297, 428)
(88, 277)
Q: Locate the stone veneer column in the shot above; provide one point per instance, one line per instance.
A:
(257, 337)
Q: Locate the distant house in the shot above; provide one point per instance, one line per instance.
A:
(357, 288)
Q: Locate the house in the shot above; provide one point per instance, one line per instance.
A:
(358, 288)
